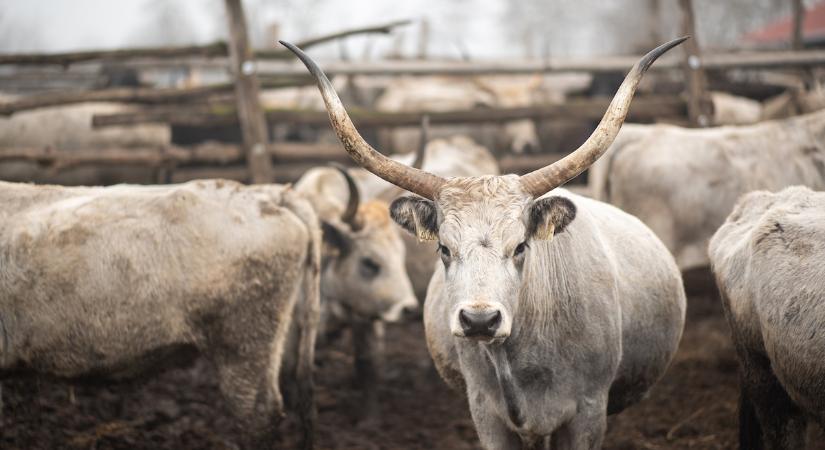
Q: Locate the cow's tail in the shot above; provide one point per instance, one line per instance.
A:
(306, 318)
(750, 432)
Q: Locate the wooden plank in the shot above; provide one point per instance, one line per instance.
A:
(213, 50)
(212, 153)
(642, 109)
(521, 164)
(607, 64)
(202, 94)
(700, 106)
(222, 160)
(247, 93)
(282, 173)
(290, 172)
(147, 157)
(130, 95)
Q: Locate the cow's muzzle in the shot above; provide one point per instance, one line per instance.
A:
(479, 323)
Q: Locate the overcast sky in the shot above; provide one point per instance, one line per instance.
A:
(485, 28)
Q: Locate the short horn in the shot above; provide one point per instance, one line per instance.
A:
(414, 180)
(351, 213)
(418, 162)
(540, 181)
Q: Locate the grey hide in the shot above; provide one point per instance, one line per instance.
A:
(595, 314)
(683, 183)
(768, 259)
(115, 282)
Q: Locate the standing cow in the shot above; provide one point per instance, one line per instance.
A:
(682, 183)
(114, 282)
(768, 261)
(549, 310)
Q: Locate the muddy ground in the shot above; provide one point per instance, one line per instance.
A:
(693, 407)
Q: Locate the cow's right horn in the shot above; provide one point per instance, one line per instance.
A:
(350, 215)
(414, 180)
(547, 178)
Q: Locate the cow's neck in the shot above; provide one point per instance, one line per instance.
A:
(508, 388)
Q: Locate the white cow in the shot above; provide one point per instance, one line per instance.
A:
(549, 310)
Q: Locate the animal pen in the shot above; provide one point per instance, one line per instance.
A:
(221, 126)
(243, 148)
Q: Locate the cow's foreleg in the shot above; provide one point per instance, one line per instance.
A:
(248, 362)
(253, 396)
(368, 342)
(780, 421)
(585, 431)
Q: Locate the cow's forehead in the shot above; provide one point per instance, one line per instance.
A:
(499, 193)
(486, 203)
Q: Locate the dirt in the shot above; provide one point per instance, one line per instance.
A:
(693, 407)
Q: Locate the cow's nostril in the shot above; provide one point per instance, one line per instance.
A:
(494, 322)
(464, 319)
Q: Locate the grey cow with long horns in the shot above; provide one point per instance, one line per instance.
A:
(550, 310)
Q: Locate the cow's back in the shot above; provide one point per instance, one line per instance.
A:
(96, 278)
(767, 259)
(684, 182)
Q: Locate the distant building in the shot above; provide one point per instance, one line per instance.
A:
(778, 34)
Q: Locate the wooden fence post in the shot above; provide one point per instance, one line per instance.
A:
(700, 106)
(250, 113)
(798, 23)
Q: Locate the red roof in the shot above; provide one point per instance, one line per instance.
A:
(781, 30)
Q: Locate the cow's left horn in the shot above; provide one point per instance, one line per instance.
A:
(350, 215)
(414, 180)
(543, 180)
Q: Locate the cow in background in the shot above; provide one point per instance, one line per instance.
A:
(683, 182)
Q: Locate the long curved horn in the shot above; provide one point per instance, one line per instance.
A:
(418, 162)
(417, 181)
(350, 214)
(543, 180)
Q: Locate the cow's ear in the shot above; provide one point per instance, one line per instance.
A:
(549, 216)
(416, 215)
(336, 237)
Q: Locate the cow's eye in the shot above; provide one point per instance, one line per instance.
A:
(520, 249)
(369, 268)
(445, 252)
